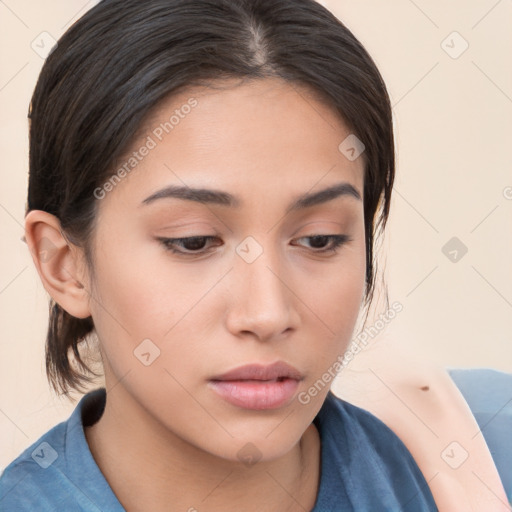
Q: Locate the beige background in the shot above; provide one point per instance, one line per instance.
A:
(453, 127)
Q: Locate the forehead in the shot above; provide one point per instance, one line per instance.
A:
(266, 134)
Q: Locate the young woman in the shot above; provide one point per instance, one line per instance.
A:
(207, 180)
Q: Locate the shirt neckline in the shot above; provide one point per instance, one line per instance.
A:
(80, 461)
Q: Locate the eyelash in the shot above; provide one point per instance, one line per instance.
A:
(170, 244)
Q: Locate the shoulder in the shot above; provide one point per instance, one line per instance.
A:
(488, 393)
(423, 404)
(370, 459)
(356, 421)
(29, 481)
(365, 429)
(58, 472)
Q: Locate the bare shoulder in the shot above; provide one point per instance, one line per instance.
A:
(423, 406)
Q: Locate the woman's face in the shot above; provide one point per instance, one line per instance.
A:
(253, 288)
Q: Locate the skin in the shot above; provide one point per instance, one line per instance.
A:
(166, 441)
(422, 405)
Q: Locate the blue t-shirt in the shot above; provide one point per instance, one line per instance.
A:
(364, 466)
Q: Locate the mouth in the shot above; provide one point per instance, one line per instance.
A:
(258, 387)
(271, 372)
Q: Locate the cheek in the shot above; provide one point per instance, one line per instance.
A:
(140, 293)
(335, 300)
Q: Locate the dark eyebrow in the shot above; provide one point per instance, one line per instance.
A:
(322, 196)
(209, 196)
(200, 195)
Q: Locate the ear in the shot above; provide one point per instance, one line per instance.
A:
(60, 264)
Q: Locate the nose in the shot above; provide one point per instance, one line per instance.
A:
(262, 302)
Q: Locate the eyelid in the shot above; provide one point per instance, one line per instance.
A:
(339, 240)
(336, 242)
(170, 244)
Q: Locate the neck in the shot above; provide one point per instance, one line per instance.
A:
(162, 471)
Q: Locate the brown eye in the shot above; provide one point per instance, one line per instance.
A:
(326, 243)
(188, 245)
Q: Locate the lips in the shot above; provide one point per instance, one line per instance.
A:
(273, 372)
(257, 386)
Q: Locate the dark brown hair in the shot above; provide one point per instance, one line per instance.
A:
(123, 57)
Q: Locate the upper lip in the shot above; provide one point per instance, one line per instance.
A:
(280, 369)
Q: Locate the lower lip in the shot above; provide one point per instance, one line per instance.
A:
(252, 394)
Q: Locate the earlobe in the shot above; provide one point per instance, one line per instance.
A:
(58, 263)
